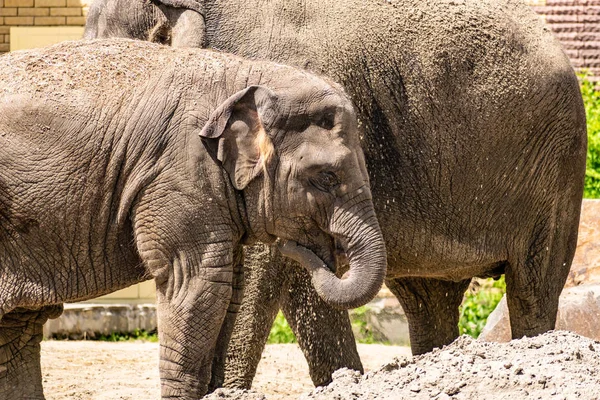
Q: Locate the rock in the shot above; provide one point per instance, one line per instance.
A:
(586, 263)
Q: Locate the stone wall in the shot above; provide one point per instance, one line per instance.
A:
(39, 13)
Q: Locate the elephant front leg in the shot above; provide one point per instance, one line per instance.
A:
(218, 366)
(191, 310)
(431, 308)
(20, 337)
(266, 278)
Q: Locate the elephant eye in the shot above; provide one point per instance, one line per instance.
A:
(326, 121)
(325, 181)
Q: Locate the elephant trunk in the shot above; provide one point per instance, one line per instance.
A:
(358, 231)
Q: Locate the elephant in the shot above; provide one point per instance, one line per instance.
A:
(123, 161)
(474, 135)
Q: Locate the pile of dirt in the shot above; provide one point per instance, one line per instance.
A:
(555, 365)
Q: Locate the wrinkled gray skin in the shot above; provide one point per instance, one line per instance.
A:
(474, 135)
(122, 161)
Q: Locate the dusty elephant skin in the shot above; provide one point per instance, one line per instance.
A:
(474, 134)
(122, 161)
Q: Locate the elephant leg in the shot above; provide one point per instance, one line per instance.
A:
(266, 278)
(534, 283)
(431, 308)
(324, 333)
(191, 311)
(20, 337)
(218, 367)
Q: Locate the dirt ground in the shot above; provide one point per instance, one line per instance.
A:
(557, 365)
(85, 370)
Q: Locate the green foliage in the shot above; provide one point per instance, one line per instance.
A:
(281, 331)
(137, 334)
(591, 100)
(360, 326)
(479, 301)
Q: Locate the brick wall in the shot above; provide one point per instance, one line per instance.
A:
(39, 13)
(576, 23)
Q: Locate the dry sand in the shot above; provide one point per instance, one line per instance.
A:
(85, 370)
(556, 365)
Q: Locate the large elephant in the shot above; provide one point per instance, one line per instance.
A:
(474, 134)
(122, 161)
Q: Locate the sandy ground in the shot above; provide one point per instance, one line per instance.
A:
(84, 370)
(557, 365)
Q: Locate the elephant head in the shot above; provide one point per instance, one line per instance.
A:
(295, 157)
(179, 23)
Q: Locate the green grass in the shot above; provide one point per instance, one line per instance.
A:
(591, 100)
(477, 305)
(137, 334)
(362, 328)
(281, 331)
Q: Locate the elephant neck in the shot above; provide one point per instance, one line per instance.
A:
(256, 212)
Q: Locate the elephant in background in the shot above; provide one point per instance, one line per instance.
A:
(122, 161)
(474, 135)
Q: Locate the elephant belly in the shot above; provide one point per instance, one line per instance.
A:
(35, 273)
(444, 249)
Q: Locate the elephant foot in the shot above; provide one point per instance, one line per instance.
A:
(20, 337)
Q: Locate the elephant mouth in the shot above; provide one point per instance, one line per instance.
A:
(332, 255)
(319, 241)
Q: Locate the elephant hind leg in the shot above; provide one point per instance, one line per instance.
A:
(431, 308)
(324, 334)
(20, 337)
(535, 280)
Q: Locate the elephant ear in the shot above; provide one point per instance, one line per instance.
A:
(235, 134)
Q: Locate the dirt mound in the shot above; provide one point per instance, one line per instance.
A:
(555, 365)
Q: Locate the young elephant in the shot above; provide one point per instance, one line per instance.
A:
(122, 161)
